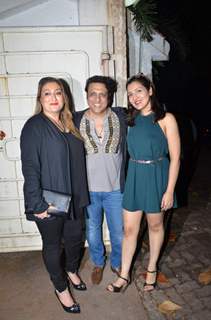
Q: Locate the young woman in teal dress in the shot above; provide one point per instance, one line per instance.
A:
(154, 149)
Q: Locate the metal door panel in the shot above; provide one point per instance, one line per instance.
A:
(21, 108)
(18, 170)
(9, 209)
(8, 189)
(10, 226)
(29, 227)
(26, 55)
(4, 107)
(7, 168)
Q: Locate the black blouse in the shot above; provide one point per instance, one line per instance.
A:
(49, 159)
(78, 172)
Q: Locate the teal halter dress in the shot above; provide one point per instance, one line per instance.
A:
(146, 182)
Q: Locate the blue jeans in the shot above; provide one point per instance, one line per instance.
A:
(111, 203)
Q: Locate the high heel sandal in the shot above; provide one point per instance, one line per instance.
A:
(75, 308)
(81, 286)
(153, 285)
(121, 289)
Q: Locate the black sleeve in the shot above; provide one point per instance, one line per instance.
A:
(77, 116)
(30, 144)
(122, 113)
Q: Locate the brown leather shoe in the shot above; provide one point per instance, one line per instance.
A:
(97, 275)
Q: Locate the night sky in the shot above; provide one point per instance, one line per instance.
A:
(184, 84)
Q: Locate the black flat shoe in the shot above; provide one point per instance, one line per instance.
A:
(75, 308)
(152, 285)
(121, 289)
(81, 286)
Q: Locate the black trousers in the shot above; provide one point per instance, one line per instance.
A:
(61, 236)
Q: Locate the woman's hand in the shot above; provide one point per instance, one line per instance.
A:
(42, 215)
(167, 201)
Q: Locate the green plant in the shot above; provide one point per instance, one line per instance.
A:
(145, 18)
(149, 20)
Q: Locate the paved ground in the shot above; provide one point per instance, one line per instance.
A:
(185, 256)
(26, 293)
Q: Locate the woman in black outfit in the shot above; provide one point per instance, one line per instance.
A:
(53, 159)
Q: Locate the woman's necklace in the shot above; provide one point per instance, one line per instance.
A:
(58, 124)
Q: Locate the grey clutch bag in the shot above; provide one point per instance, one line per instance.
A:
(60, 202)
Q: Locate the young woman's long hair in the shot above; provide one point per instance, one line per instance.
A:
(158, 110)
(65, 114)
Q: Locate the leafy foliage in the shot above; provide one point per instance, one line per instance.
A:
(170, 27)
(148, 18)
(145, 18)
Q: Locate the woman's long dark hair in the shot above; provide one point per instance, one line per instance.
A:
(158, 110)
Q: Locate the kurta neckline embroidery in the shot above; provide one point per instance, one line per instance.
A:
(110, 144)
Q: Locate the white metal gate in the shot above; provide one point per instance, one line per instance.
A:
(26, 55)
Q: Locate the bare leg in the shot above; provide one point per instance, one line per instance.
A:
(131, 228)
(156, 237)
